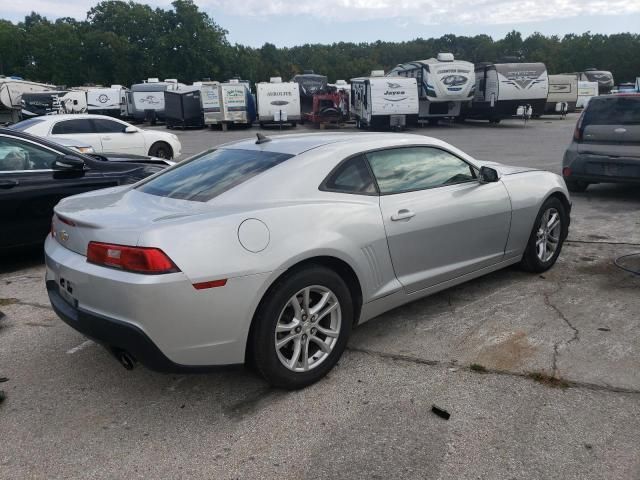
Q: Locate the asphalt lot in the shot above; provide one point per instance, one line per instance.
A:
(485, 351)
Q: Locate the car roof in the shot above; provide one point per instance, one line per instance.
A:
(74, 116)
(295, 144)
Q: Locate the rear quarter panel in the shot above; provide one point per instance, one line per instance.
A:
(528, 191)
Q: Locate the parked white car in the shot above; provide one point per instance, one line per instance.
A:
(104, 134)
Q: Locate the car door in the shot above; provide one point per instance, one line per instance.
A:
(30, 187)
(115, 139)
(80, 128)
(441, 222)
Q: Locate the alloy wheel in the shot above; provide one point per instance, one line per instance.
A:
(548, 234)
(308, 328)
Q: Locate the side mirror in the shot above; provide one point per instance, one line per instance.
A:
(130, 129)
(68, 162)
(488, 175)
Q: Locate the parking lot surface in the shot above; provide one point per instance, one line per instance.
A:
(540, 373)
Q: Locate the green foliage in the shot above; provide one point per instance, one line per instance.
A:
(125, 42)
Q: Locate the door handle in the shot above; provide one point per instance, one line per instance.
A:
(9, 183)
(403, 214)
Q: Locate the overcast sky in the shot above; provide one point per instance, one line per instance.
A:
(293, 22)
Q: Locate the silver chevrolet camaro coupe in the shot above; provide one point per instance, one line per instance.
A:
(269, 251)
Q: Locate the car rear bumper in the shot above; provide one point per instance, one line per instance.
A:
(161, 320)
(601, 168)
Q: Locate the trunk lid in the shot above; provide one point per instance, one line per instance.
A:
(115, 215)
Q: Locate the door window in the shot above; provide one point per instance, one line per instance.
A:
(417, 168)
(353, 176)
(108, 126)
(16, 155)
(72, 127)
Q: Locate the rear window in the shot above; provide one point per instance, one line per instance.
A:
(613, 111)
(207, 176)
(23, 125)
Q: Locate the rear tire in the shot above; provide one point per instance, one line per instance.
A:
(161, 150)
(576, 186)
(278, 319)
(546, 239)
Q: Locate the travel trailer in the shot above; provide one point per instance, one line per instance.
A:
(210, 103)
(11, 90)
(384, 102)
(53, 102)
(563, 94)
(309, 83)
(106, 101)
(603, 77)
(504, 89)
(444, 85)
(147, 99)
(237, 103)
(278, 102)
(183, 108)
(586, 91)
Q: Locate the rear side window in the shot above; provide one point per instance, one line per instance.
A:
(72, 127)
(108, 126)
(353, 176)
(207, 176)
(612, 111)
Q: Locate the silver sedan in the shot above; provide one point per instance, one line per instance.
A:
(269, 251)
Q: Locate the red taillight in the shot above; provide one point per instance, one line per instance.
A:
(577, 133)
(566, 172)
(132, 259)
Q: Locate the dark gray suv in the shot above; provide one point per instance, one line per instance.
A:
(606, 143)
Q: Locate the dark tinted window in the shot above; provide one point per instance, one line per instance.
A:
(612, 111)
(108, 126)
(72, 126)
(353, 176)
(19, 155)
(23, 125)
(211, 174)
(417, 168)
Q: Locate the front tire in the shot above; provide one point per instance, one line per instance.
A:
(161, 150)
(302, 327)
(547, 237)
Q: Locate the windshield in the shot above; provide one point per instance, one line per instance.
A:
(207, 176)
(613, 111)
(23, 125)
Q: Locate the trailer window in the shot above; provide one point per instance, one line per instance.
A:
(211, 174)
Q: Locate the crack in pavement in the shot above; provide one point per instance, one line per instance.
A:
(563, 317)
(598, 242)
(488, 371)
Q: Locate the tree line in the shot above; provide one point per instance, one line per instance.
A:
(124, 43)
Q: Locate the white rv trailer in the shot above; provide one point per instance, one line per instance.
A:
(53, 102)
(502, 88)
(278, 102)
(107, 101)
(563, 93)
(237, 102)
(210, 100)
(603, 77)
(384, 102)
(444, 85)
(586, 91)
(11, 90)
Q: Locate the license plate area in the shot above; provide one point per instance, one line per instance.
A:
(66, 290)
